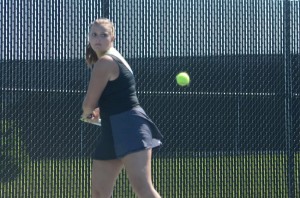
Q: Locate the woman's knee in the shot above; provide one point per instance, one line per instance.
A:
(142, 188)
(145, 190)
(104, 175)
(101, 192)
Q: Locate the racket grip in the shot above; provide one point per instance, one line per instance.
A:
(98, 123)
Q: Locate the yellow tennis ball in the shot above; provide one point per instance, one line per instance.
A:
(183, 79)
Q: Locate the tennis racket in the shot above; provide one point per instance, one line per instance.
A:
(86, 120)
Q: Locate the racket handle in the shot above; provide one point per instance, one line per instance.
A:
(98, 123)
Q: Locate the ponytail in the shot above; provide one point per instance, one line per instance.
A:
(90, 55)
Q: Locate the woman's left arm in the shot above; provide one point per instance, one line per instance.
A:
(100, 76)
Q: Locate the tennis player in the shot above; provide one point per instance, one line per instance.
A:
(128, 134)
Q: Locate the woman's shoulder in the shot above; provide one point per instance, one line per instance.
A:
(119, 57)
(107, 66)
(105, 61)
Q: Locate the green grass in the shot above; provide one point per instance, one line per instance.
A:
(207, 175)
(261, 175)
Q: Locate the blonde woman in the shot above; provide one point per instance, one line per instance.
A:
(128, 134)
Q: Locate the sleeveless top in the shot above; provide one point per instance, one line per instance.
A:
(119, 95)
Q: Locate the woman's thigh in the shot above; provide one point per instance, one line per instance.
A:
(104, 175)
(138, 168)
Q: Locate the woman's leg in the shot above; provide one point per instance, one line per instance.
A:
(138, 168)
(104, 175)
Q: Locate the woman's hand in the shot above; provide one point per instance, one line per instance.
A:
(93, 117)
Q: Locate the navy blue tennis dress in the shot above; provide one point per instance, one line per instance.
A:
(126, 128)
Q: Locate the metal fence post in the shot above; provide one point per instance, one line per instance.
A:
(105, 8)
(288, 98)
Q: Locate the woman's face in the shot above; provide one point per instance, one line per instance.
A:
(101, 38)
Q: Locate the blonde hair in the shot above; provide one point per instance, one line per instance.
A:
(90, 55)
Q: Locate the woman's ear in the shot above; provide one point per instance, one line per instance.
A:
(113, 38)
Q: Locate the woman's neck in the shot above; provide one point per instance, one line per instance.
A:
(100, 54)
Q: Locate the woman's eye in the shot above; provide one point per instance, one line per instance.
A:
(103, 35)
(94, 34)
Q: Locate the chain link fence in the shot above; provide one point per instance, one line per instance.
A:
(233, 132)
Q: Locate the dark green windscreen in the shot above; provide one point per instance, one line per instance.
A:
(233, 132)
